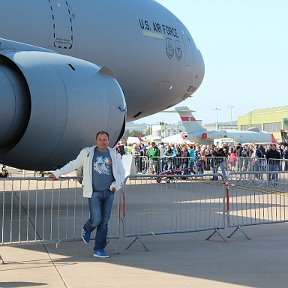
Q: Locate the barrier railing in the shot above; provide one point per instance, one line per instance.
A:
(40, 210)
(276, 180)
(277, 165)
(157, 165)
(255, 199)
(207, 163)
(183, 204)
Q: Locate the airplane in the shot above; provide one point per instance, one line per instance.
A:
(195, 132)
(70, 68)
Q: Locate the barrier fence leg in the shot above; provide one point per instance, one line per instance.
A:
(238, 228)
(1, 260)
(135, 239)
(112, 245)
(216, 231)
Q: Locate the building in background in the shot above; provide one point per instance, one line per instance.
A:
(164, 130)
(271, 120)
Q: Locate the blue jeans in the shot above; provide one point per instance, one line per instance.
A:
(100, 207)
(215, 169)
(273, 176)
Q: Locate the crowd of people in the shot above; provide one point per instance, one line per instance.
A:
(196, 159)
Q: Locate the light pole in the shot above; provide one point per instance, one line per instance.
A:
(231, 108)
(217, 109)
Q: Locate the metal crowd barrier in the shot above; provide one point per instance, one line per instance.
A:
(158, 164)
(277, 164)
(241, 164)
(40, 210)
(276, 180)
(254, 198)
(175, 204)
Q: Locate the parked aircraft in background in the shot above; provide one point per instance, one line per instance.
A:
(137, 59)
(195, 132)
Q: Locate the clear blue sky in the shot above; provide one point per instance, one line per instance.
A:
(244, 44)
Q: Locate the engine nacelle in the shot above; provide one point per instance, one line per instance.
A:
(51, 106)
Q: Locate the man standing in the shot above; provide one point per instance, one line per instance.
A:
(103, 175)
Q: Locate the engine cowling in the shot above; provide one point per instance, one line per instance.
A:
(51, 106)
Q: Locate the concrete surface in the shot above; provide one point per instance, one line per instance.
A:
(179, 260)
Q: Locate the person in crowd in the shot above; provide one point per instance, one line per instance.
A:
(259, 153)
(128, 149)
(280, 149)
(103, 175)
(238, 150)
(245, 158)
(191, 150)
(120, 148)
(184, 159)
(199, 166)
(285, 157)
(161, 147)
(218, 161)
(232, 159)
(178, 156)
(143, 165)
(262, 148)
(273, 157)
(136, 156)
(203, 156)
(259, 161)
(153, 155)
(209, 157)
(168, 156)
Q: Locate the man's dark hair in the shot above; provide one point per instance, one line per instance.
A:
(102, 133)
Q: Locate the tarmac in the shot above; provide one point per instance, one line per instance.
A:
(178, 260)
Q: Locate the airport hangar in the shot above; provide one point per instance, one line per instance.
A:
(271, 120)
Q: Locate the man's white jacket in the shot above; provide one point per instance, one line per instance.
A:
(84, 159)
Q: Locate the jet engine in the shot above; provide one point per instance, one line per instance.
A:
(51, 106)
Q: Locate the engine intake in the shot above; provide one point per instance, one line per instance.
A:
(51, 106)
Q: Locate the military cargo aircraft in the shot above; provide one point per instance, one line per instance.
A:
(70, 68)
